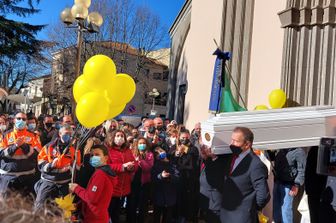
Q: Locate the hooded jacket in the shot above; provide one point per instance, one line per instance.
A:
(97, 196)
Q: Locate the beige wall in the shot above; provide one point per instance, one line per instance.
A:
(205, 26)
(266, 52)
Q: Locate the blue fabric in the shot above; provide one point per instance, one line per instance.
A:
(95, 161)
(20, 124)
(282, 203)
(216, 88)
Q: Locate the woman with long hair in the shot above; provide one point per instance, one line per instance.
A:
(122, 161)
(141, 183)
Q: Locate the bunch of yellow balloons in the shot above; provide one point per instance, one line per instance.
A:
(277, 99)
(101, 93)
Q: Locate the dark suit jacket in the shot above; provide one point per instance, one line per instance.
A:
(245, 191)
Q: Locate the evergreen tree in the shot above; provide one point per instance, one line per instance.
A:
(18, 38)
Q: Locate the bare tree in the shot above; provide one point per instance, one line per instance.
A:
(128, 35)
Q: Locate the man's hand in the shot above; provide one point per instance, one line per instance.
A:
(88, 146)
(54, 163)
(294, 190)
(19, 141)
(155, 139)
(72, 187)
(165, 174)
(65, 169)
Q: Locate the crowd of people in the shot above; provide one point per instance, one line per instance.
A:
(157, 171)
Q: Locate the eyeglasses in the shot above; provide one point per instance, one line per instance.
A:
(19, 118)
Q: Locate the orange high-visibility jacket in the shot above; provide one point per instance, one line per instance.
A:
(15, 158)
(55, 163)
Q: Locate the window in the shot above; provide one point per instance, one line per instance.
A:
(165, 75)
(146, 71)
(157, 76)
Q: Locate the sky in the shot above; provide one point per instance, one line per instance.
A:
(51, 9)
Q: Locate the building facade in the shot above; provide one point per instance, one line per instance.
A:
(286, 44)
(149, 71)
(34, 100)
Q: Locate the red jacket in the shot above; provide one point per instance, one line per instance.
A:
(117, 158)
(97, 196)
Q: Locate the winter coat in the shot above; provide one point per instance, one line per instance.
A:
(165, 189)
(117, 157)
(290, 166)
(97, 196)
(146, 167)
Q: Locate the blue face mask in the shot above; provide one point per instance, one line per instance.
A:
(66, 138)
(20, 124)
(142, 147)
(58, 126)
(31, 126)
(95, 161)
(163, 155)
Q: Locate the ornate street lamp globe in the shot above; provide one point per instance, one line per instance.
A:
(79, 11)
(95, 18)
(67, 17)
(86, 3)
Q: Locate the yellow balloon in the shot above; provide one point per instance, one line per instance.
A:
(277, 98)
(260, 107)
(121, 90)
(115, 110)
(92, 109)
(99, 71)
(80, 87)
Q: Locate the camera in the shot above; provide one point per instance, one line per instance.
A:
(326, 160)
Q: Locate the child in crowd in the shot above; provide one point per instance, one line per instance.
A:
(165, 179)
(96, 197)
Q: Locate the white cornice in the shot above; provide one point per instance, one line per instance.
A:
(186, 9)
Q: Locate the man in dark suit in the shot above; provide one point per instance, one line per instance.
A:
(244, 189)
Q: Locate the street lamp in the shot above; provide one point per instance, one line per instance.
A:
(84, 21)
(154, 94)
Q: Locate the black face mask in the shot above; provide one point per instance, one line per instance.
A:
(184, 141)
(135, 135)
(236, 150)
(159, 128)
(48, 125)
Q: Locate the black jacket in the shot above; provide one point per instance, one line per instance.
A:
(290, 166)
(314, 183)
(47, 136)
(165, 189)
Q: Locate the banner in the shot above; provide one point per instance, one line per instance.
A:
(216, 89)
(221, 99)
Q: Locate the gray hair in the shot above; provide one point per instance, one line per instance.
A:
(65, 127)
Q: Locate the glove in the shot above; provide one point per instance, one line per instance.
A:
(25, 148)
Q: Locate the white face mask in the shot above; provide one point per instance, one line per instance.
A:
(119, 141)
(173, 140)
(3, 128)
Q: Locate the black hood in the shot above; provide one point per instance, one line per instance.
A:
(107, 169)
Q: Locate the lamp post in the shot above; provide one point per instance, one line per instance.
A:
(79, 17)
(154, 94)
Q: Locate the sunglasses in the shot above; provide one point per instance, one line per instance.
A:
(19, 118)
